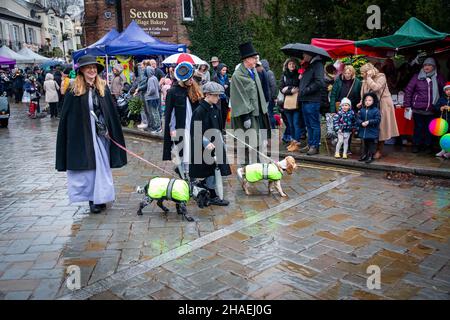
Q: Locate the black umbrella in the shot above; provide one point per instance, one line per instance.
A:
(297, 50)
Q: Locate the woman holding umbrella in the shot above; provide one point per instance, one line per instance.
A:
(311, 86)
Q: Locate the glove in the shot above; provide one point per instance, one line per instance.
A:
(247, 123)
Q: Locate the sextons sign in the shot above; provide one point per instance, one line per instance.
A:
(156, 22)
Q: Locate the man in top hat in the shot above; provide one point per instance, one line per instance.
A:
(247, 101)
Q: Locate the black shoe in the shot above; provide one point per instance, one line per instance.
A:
(94, 208)
(218, 202)
(312, 151)
(363, 157)
(415, 149)
(102, 206)
(370, 159)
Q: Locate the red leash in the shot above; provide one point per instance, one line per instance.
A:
(137, 156)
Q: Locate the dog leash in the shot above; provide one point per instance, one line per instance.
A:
(131, 152)
(246, 144)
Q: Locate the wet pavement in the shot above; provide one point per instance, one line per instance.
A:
(315, 244)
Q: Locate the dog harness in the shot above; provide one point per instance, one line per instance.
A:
(262, 171)
(170, 189)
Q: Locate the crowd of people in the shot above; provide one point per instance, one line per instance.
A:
(30, 84)
(248, 96)
(420, 89)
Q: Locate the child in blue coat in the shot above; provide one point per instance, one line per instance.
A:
(344, 123)
(369, 118)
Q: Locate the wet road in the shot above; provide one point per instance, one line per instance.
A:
(315, 244)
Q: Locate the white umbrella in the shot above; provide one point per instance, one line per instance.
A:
(183, 57)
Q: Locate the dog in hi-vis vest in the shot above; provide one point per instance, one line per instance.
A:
(272, 172)
(177, 190)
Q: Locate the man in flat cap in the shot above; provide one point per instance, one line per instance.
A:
(207, 142)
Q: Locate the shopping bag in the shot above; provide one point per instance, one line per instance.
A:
(330, 128)
(26, 98)
(290, 102)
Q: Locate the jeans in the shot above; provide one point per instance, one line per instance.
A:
(311, 114)
(152, 111)
(287, 131)
(422, 136)
(293, 117)
(270, 108)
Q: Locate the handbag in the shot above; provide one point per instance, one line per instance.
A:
(290, 102)
(280, 98)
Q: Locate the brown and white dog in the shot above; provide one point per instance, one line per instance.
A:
(287, 164)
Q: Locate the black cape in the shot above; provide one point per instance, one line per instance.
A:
(175, 100)
(74, 146)
(211, 118)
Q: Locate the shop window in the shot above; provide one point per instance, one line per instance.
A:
(188, 10)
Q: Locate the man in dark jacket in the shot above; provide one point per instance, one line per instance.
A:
(273, 92)
(18, 83)
(310, 95)
(207, 141)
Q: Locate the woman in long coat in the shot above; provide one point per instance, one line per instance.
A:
(51, 94)
(374, 81)
(182, 99)
(81, 149)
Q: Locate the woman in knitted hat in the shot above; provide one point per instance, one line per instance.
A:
(421, 94)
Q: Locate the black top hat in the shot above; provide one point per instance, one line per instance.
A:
(87, 60)
(247, 50)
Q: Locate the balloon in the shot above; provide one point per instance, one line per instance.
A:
(445, 142)
(438, 127)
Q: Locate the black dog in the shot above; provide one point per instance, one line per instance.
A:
(200, 195)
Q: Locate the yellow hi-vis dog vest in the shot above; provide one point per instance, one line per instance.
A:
(259, 171)
(171, 189)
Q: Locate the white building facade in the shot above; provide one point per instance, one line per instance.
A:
(31, 24)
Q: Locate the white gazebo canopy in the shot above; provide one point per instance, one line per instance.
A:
(30, 54)
(8, 53)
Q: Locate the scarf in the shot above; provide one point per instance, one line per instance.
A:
(433, 76)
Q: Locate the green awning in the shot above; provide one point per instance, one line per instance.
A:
(414, 32)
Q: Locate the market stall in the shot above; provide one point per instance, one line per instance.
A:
(97, 48)
(33, 56)
(136, 42)
(10, 54)
(7, 62)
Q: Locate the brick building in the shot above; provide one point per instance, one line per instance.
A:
(162, 19)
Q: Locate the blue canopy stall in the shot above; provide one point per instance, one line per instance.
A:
(97, 48)
(136, 42)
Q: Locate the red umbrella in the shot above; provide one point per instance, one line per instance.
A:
(183, 57)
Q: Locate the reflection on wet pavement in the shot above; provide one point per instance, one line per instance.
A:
(318, 248)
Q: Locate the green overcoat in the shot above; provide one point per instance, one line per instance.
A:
(244, 99)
